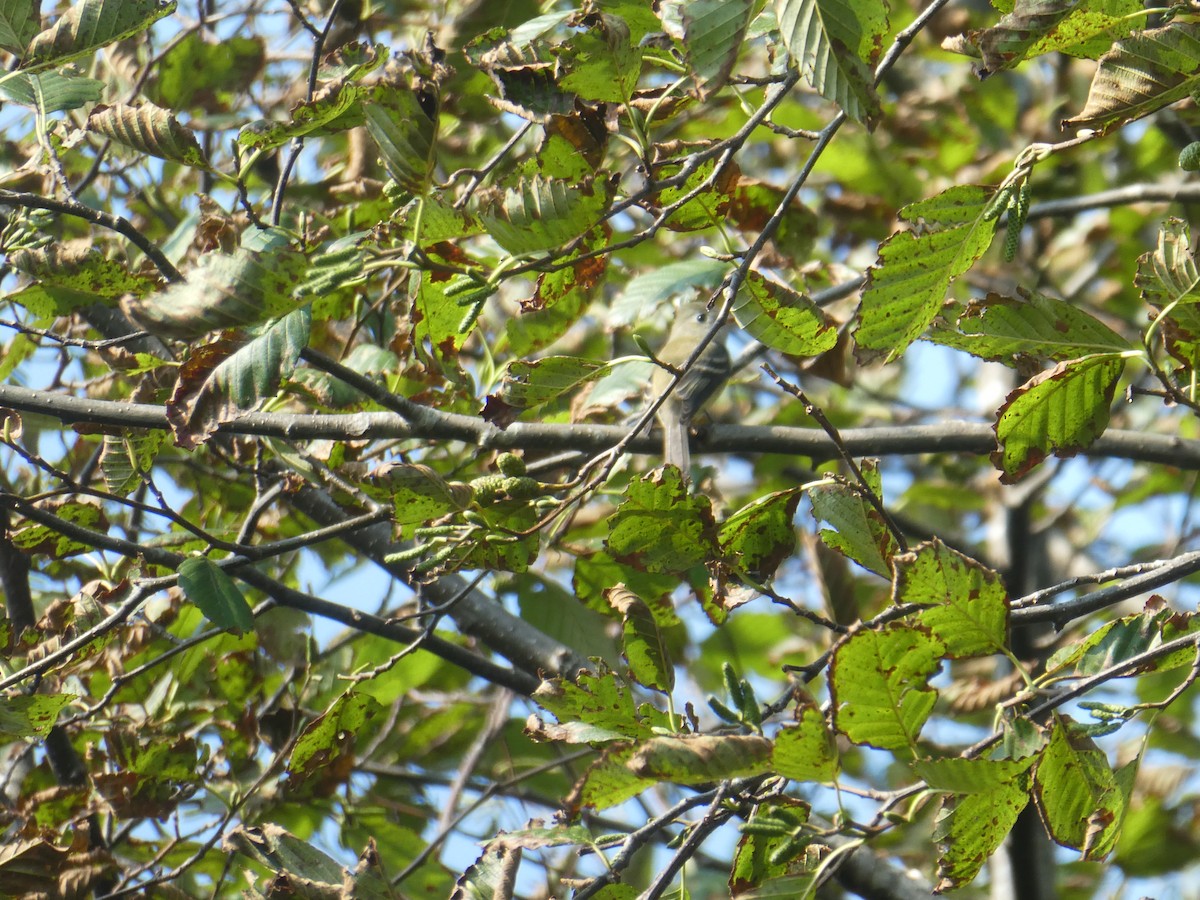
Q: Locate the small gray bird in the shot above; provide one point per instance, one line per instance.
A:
(698, 384)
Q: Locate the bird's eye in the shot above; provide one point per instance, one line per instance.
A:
(702, 317)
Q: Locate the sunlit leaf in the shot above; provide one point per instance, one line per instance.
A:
(907, 285)
(879, 680)
(782, 319)
(1030, 327)
(859, 531)
(540, 214)
(226, 291)
(971, 827)
(1060, 412)
(30, 716)
(659, 527)
(969, 611)
(1080, 798)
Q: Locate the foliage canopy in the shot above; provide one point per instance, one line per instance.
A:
(331, 527)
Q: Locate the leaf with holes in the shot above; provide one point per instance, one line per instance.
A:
(908, 283)
(1030, 327)
(782, 319)
(879, 681)
(1060, 412)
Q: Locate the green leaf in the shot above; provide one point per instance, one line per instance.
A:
(418, 494)
(532, 384)
(30, 716)
(1114, 642)
(1169, 273)
(807, 750)
(643, 643)
(601, 63)
(655, 287)
(201, 72)
(1032, 327)
(524, 72)
(971, 776)
(659, 527)
(205, 584)
(1061, 411)
(699, 759)
(560, 298)
(782, 319)
(767, 845)
(1089, 29)
(878, 679)
(334, 108)
(835, 42)
(713, 31)
(709, 206)
(1170, 283)
(1005, 44)
(1141, 74)
(18, 24)
(970, 611)
(608, 781)
(971, 827)
(126, 458)
(860, 532)
(69, 277)
(403, 123)
(597, 572)
(51, 91)
(89, 25)
(1078, 795)
(907, 285)
(599, 700)
(226, 291)
(35, 538)
(287, 855)
(148, 129)
(539, 214)
(761, 535)
(324, 753)
(219, 382)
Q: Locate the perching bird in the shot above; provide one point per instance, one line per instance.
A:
(701, 380)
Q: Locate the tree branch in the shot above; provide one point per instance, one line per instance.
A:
(976, 438)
